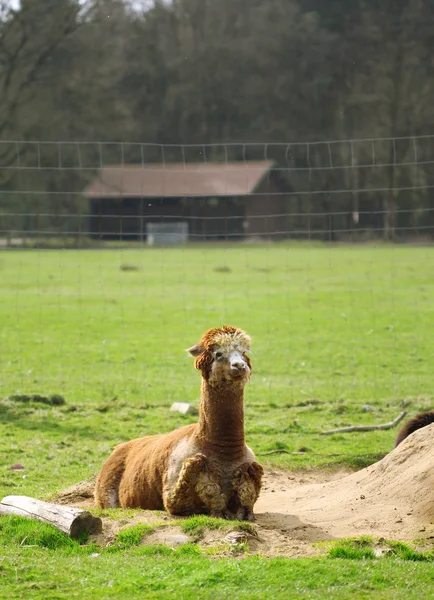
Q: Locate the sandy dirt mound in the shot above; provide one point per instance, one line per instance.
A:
(80, 494)
(392, 498)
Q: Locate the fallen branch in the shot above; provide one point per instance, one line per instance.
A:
(72, 521)
(367, 427)
(279, 452)
(298, 453)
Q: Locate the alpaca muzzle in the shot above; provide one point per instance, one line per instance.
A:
(237, 368)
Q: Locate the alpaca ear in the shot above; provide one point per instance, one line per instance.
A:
(195, 350)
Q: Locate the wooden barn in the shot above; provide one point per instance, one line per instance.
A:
(217, 201)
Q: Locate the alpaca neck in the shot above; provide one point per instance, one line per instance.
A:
(221, 420)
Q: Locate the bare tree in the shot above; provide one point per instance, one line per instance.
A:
(28, 38)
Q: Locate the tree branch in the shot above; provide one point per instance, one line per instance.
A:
(23, 62)
(279, 452)
(352, 428)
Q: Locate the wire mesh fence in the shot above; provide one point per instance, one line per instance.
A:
(195, 236)
(333, 191)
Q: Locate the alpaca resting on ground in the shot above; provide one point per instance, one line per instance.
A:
(205, 467)
(417, 422)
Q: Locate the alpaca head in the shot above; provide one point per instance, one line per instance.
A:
(221, 355)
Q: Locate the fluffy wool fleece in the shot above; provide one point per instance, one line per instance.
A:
(225, 338)
(201, 468)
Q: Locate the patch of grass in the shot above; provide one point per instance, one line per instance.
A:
(189, 550)
(196, 525)
(355, 462)
(405, 552)
(365, 547)
(26, 533)
(352, 548)
(53, 400)
(155, 550)
(129, 268)
(352, 553)
(130, 536)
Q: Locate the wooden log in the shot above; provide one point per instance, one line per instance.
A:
(72, 521)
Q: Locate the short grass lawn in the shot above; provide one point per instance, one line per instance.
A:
(341, 335)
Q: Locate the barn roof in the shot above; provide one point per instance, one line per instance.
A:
(178, 180)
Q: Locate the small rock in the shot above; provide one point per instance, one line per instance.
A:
(177, 540)
(16, 468)
(184, 408)
(362, 497)
(367, 408)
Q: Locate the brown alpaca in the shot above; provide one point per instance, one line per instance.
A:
(420, 420)
(201, 468)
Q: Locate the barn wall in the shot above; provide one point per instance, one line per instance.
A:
(266, 211)
(126, 218)
(216, 219)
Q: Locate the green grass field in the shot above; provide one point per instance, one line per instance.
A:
(334, 329)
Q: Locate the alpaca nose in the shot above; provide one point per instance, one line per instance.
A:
(238, 364)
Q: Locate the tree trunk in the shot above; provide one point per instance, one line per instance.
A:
(395, 112)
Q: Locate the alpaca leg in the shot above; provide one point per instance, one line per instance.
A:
(109, 478)
(210, 493)
(180, 499)
(195, 481)
(246, 485)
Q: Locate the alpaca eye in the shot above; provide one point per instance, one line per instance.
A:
(218, 355)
